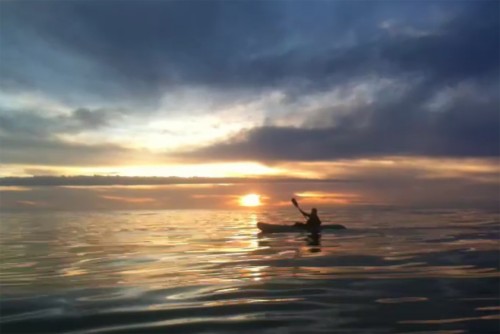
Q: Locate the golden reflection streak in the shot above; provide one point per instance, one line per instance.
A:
(450, 321)
(129, 199)
(401, 300)
(252, 301)
(405, 271)
(255, 273)
(136, 186)
(488, 308)
(325, 194)
(14, 188)
(30, 203)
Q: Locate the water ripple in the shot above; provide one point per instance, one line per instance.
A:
(210, 271)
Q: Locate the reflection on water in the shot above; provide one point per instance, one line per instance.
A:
(193, 271)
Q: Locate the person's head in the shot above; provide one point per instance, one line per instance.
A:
(314, 211)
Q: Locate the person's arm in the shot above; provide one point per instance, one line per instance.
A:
(305, 213)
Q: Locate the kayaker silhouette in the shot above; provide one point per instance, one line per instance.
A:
(313, 223)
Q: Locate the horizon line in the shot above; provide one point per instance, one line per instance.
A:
(108, 180)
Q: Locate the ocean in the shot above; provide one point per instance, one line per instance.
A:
(186, 271)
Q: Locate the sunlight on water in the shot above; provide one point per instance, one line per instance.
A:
(189, 271)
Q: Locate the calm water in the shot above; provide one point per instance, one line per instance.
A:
(210, 272)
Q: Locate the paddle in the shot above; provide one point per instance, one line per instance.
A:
(294, 201)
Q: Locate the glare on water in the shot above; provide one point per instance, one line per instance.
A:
(188, 270)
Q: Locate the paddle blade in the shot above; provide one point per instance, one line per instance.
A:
(294, 201)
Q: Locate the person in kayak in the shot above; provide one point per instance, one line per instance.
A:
(313, 223)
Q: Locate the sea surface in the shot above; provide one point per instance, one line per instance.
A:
(391, 271)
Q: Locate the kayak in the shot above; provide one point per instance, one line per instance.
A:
(276, 228)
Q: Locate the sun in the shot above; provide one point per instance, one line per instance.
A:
(250, 200)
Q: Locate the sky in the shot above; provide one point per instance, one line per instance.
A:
(335, 102)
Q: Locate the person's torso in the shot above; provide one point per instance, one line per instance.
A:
(314, 220)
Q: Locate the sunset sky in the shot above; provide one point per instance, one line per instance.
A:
(336, 102)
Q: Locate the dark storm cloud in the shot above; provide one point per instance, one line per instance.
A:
(135, 49)
(468, 127)
(466, 47)
(143, 46)
(465, 50)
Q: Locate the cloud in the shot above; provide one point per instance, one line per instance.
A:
(32, 123)
(89, 118)
(466, 126)
(136, 53)
(465, 47)
(30, 137)
(143, 48)
(138, 180)
(43, 151)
